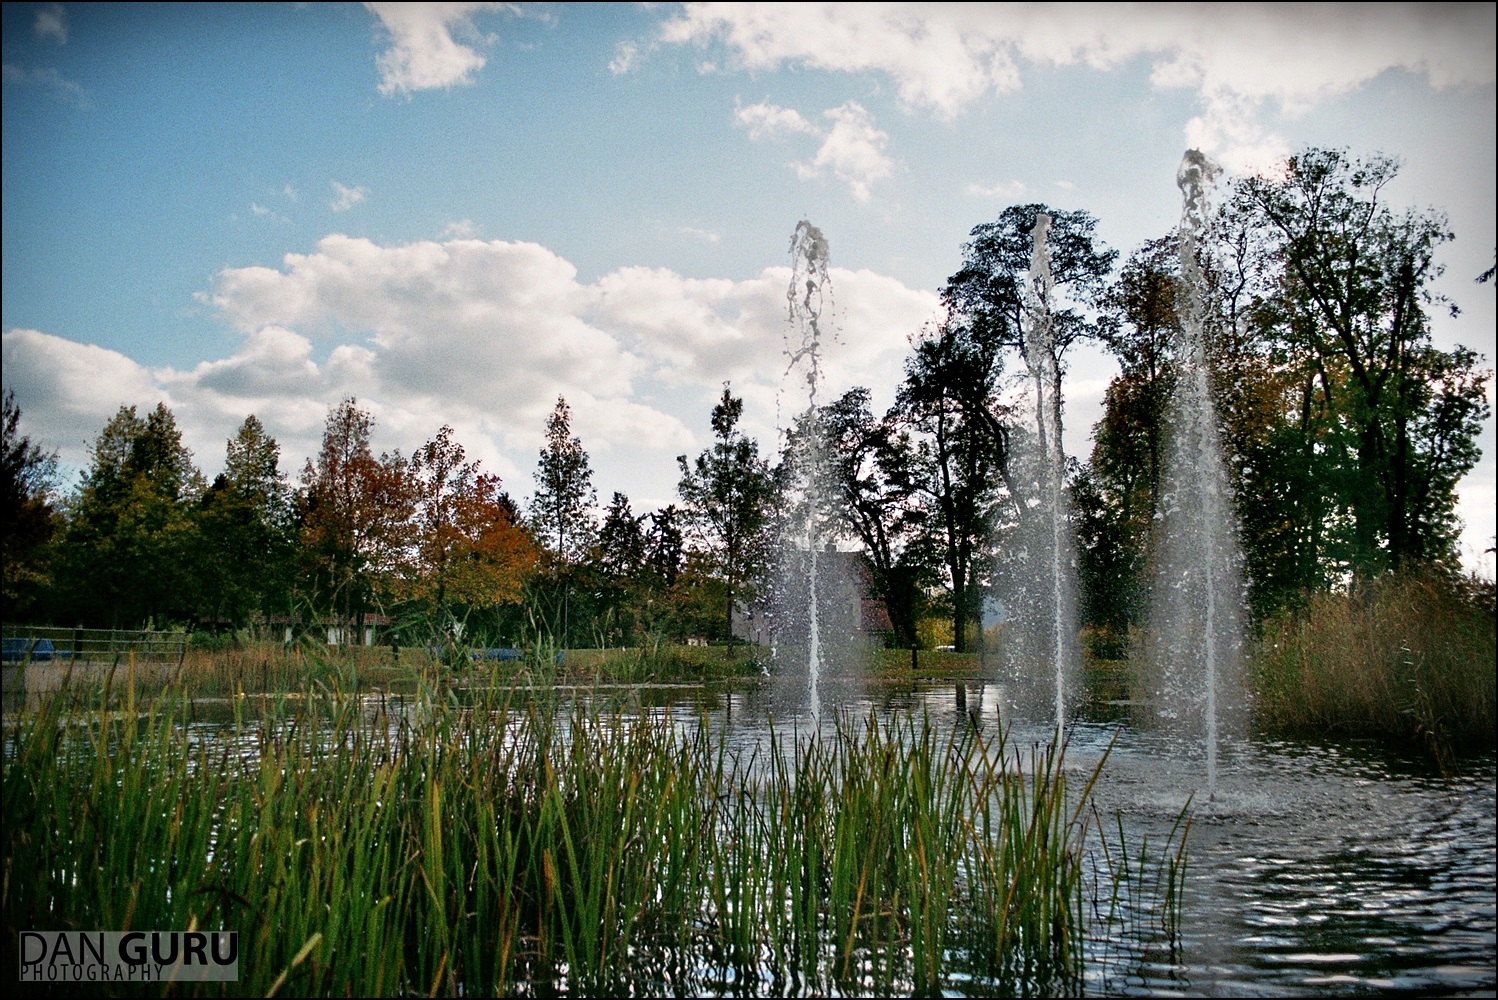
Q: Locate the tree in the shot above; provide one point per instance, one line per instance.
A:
(125, 553)
(986, 298)
(727, 492)
(961, 454)
(244, 530)
(28, 477)
(467, 552)
(562, 510)
(355, 513)
(619, 569)
(872, 467)
(1351, 289)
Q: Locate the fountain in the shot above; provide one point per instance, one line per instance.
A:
(1043, 593)
(1198, 601)
(807, 587)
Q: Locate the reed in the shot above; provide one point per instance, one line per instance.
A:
(517, 846)
(1405, 657)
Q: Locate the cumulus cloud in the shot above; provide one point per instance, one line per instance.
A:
(423, 54)
(943, 57)
(483, 335)
(852, 148)
(345, 198)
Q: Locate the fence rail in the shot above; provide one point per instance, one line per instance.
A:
(44, 644)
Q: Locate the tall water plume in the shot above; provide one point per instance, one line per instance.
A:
(1043, 588)
(1198, 603)
(800, 591)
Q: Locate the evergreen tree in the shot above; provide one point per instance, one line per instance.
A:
(125, 554)
(727, 492)
(28, 476)
(562, 510)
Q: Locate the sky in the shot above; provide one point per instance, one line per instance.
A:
(456, 212)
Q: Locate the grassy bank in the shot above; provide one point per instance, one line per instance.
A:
(1404, 657)
(526, 850)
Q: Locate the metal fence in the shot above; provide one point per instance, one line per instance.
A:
(47, 644)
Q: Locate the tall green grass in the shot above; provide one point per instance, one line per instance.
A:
(523, 848)
(1406, 656)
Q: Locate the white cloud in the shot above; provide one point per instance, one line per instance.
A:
(944, 57)
(625, 54)
(463, 229)
(290, 193)
(68, 390)
(852, 147)
(52, 22)
(345, 198)
(853, 150)
(704, 235)
(52, 82)
(423, 54)
(482, 335)
(1003, 189)
(765, 119)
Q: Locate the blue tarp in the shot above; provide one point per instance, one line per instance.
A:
(19, 650)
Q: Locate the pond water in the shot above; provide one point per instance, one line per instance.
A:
(1316, 869)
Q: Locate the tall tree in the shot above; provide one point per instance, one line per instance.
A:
(355, 512)
(28, 477)
(1352, 289)
(873, 470)
(961, 455)
(619, 570)
(727, 492)
(126, 551)
(244, 530)
(987, 296)
(562, 509)
(467, 552)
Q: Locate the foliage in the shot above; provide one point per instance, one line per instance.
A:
(245, 532)
(727, 493)
(1406, 656)
(354, 511)
(872, 468)
(562, 509)
(945, 401)
(1350, 286)
(467, 552)
(28, 478)
(125, 555)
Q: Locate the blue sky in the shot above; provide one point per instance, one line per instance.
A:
(457, 212)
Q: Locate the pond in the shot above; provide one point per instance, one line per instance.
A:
(1315, 869)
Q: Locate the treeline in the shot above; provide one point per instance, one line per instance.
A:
(1347, 431)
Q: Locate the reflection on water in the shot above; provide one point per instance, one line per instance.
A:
(1317, 869)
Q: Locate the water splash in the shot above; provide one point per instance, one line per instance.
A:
(807, 296)
(1198, 596)
(1044, 593)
